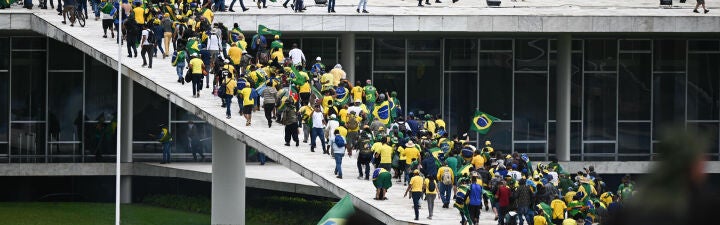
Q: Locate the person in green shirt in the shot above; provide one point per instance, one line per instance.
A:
(179, 64)
(370, 95)
(625, 189)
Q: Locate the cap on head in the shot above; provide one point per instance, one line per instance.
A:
(277, 36)
(416, 172)
(318, 58)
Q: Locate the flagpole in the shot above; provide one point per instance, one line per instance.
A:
(119, 116)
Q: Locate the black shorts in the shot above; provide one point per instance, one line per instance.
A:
(107, 24)
(247, 109)
(700, 1)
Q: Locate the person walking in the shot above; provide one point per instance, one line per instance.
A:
(446, 178)
(269, 96)
(698, 4)
(306, 112)
(365, 153)
(331, 6)
(230, 87)
(318, 123)
(158, 31)
(431, 187)
(165, 139)
(179, 64)
(167, 28)
(289, 118)
(107, 24)
(148, 47)
(248, 103)
(196, 71)
(194, 143)
(416, 189)
(475, 194)
(330, 127)
(503, 197)
(362, 3)
(337, 142)
(523, 201)
(558, 210)
(242, 6)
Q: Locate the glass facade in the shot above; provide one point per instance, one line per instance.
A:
(59, 105)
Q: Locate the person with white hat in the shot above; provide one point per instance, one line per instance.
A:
(318, 68)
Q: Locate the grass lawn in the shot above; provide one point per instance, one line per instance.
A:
(81, 213)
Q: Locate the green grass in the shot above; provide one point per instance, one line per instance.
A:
(82, 213)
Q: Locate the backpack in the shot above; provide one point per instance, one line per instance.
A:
(289, 116)
(352, 123)
(447, 177)
(431, 186)
(151, 36)
(339, 141)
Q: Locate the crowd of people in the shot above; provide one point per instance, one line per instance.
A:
(343, 119)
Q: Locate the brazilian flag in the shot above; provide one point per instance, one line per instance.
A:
(481, 122)
(547, 210)
(170, 9)
(316, 92)
(108, 8)
(343, 95)
(338, 213)
(299, 78)
(192, 46)
(382, 112)
(263, 30)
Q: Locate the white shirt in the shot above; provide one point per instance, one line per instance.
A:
(297, 56)
(317, 119)
(146, 35)
(355, 109)
(554, 180)
(392, 126)
(213, 43)
(332, 125)
(335, 148)
(515, 174)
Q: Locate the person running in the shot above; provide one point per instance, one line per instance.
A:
(196, 71)
(416, 189)
(431, 187)
(248, 103)
(337, 142)
(269, 96)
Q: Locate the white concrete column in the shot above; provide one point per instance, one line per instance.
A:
(348, 55)
(126, 106)
(228, 179)
(564, 65)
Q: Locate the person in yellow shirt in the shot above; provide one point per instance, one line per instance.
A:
(429, 124)
(229, 67)
(431, 188)
(235, 55)
(248, 104)
(230, 85)
(411, 153)
(445, 183)
(278, 56)
(439, 122)
(139, 13)
(327, 81)
(384, 151)
(338, 74)
(357, 92)
(416, 187)
(478, 161)
(196, 69)
(558, 207)
(539, 219)
(306, 115)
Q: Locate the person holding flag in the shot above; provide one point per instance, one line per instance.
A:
(382, 111)
(370, 94)
(481, 122)
(108, 12)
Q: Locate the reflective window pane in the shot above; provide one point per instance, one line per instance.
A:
(363, 66)
(4, 107)
(187, 142)
(710, 130)
(65, 99)
(575, 137)
(389, 54)
(28, 86)
(531, 55)
(594, 148)
(530, 106)
(4, 53)
(363, 44)
(27, 43)
(100, 90)
(599, 158)
(27, 142)
(180, 114)
(424, 45)
(424, 79)
(388, 82)
(535, 150)
(100, 140)
(460, 101)
(4, 152)
(150, 112)
(496, 44)
(635, 45)
(600, 106)
(669, 55)
(496, 82)
(668, 101)
(634, 138)
(635, 87)
(703, 45)
(500, 135)
(461, 54)
(64, 153)
(326, 48)
(600, 55)
(64, 57)
(703, 86)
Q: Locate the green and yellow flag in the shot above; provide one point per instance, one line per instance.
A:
(481, 122)
(263, 30)
(338, 213)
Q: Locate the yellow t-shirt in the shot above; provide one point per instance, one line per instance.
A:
(342, 130)
(235, 54)
(540, 220)
(325, 102)
(196, 65)
(357, 93)
(230, 86)
(208, 14)
(558, 207)
(230, 69)
(279, 55)
(416, 183)
(410, 154)
(440, 123)
(306, 112)
(245, 92)
(376, 147)
(139, 15)
(427, 187)
(385, 154)
(478, 161)
(343, 114)
(569, 222)
(430, 126)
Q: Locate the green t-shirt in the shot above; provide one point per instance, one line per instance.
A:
(452, 163)
(370, 93)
